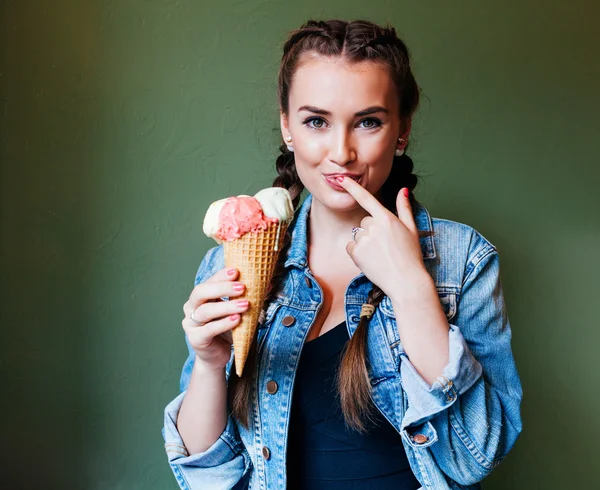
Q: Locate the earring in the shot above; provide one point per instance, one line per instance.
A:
(288, 138)
(400, 151)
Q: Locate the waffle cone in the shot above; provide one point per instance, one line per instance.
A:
(255, 256)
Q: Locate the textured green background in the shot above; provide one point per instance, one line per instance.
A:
(121, 121)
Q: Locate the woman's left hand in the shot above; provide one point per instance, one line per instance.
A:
(388, 250)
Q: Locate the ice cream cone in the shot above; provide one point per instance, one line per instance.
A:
(251, 230)
(254, 254)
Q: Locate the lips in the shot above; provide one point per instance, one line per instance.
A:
(331, 180)
(334, 176)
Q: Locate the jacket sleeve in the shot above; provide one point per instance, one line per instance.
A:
(223, 464)
(470, 417)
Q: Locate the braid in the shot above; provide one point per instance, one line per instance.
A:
(353, 382)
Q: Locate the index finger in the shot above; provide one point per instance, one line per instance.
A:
(363, 197)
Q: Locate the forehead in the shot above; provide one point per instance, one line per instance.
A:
(339, 86)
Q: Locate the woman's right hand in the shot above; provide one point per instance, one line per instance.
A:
(210, 337)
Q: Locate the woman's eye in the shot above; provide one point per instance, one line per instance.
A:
(373, 123)
(315, 120)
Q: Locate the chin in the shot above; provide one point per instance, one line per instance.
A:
(333, 199)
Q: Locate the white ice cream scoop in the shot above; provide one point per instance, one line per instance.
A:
(276, 202)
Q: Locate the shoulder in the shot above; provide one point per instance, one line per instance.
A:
(449, 237)
(449, 233)
(460, 249)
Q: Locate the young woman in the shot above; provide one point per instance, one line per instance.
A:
(383, 358)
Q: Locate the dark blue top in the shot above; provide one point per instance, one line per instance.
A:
(322, 452)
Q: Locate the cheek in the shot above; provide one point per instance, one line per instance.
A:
(379, 149)
(378, 172)
(309, 153)
(310, 149)
(306, 170)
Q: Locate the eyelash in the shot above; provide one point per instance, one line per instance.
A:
(377, 122)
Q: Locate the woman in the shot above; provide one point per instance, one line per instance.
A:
(383, 359)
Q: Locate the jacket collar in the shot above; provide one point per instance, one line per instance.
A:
(297, 253)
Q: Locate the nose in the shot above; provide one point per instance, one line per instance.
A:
(342, 149)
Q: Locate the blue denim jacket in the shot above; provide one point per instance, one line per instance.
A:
(454, 431)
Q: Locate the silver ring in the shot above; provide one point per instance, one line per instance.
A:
(355, 230)
(194, 320)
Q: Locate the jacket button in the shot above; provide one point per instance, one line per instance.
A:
(288, 321)
(272, 387)
(266, 452)
(421, 438)
(308, 281)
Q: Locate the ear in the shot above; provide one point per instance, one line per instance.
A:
(407, 127)
(405, 134)
(283, 122)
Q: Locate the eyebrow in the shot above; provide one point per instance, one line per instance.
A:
(365, 112)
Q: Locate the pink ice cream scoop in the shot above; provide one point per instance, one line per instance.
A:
(240, 215)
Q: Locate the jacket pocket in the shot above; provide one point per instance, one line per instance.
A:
(448, 296)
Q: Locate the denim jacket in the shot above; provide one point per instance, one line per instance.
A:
(454, 431)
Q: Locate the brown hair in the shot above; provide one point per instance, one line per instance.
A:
(354, 41)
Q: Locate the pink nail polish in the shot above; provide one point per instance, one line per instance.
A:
(340, 178)
(406, 192)
(230, 272)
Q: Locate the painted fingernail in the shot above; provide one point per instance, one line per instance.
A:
(233, 317)
(230, 272)
(406, 192)
(238, 286)
(340, 178)
(242, 303)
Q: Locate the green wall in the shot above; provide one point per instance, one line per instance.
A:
(121, 121)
